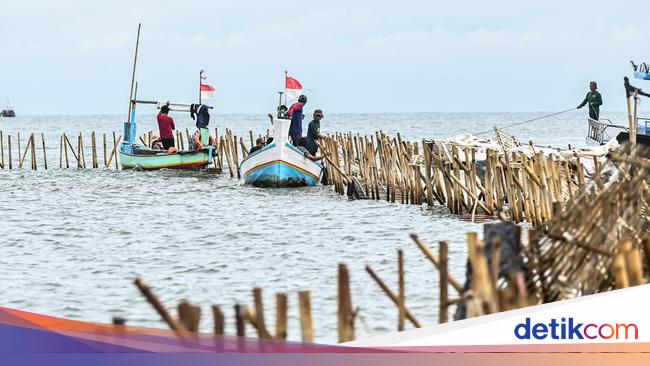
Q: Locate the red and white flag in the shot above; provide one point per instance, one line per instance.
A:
(293, 88)
(207, 91)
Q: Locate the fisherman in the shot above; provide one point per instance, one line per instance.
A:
(259, 144)
(313, 133)
(198, 141)
(594, 99)
(296, 115)
(166, 127)
(156, 143)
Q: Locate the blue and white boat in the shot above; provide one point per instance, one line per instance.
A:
(280, 164)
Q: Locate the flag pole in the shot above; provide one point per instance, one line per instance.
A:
(200, 81)
(286, 73)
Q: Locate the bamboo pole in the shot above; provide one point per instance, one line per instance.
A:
(153, 300)
(633, 263)
(105, 149)
(240, 323)
(19, 149)
(424, 247)
(391, 295)
(236, 157)
(401, 298)
(82, 150)
(280, 316)
(21, 159)
(93, 143)
(306, 327)
(2, 151)
(79, 153)
(262, 332)
(33, 143)
(9, 151)
(44, 149)
(619, 271)
(189, 315)
(219, 319)
(481, 283)
(345, 312)
(443, 315)
(116, 141)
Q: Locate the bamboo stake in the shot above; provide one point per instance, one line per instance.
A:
(391, 295)
(239, 321)
(116, 142)
(104, 144)
(424, 247)
(481, 283)
(443, 315)
(620, 272)
(33, 143)
(280, 315)
(153, 300)
(19, 149)
(2, 151)
(345, 313)
(44, 149)
(189, 315)
(401, 292)
(21, 160)
(9, 150)
(219, 319)
(307, 331)
(262, 332)
(633, 263)
(93, 143)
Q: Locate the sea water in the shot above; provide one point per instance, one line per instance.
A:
(74, 240)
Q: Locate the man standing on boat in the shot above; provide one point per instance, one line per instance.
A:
(594, 99)
(166, 127)
(313, 132)
(296, 115)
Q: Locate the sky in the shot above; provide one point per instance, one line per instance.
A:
(75, 57)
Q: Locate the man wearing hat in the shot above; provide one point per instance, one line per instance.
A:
(313, 132)
(594, 100)
(259, 144)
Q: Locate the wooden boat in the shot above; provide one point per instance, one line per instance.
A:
(136, 155)
(280, 164)
(139, 156)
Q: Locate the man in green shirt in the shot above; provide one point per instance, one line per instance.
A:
(594, 100)
(313, 132)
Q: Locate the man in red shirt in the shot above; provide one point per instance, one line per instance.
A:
(166, 127)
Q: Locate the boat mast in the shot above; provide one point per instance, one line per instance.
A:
(135, 61)
(286, 73)
(200, 82)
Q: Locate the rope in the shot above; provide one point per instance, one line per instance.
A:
(528, 121)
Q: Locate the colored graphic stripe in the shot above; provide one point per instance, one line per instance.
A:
(281, 162)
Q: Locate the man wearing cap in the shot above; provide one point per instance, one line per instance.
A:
(313, 132)
(296, 115)
(259, 144)
(594, 100)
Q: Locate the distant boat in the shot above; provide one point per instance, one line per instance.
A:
(280, 164)
(8, 112)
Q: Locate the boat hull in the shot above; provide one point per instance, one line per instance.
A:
(279, 166)
(190, 160)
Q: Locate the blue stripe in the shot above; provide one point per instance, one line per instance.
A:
(279, 175)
